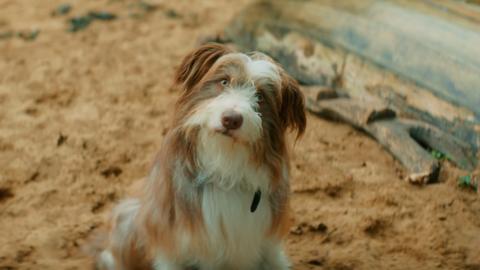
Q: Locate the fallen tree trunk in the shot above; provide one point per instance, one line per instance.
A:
(410, 38)
(313, 39)
(403, 138)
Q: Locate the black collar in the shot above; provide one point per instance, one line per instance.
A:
(201, 180)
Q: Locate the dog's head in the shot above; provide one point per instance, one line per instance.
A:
(241, 96)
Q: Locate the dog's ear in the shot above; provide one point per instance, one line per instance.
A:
(197, 63)
(292, 109)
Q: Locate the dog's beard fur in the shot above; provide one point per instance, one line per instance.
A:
(195, 209)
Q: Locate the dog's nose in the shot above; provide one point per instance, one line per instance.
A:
(231, 119)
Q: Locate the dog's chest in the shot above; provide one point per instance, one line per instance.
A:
(233, 230)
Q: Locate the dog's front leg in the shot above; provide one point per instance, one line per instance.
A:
(274, 257)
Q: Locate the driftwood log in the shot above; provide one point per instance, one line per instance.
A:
(433, 43)
(392, 69)
(405, 139)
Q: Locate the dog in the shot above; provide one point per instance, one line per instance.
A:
(217, 197)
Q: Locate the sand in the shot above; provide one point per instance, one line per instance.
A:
(83, 114)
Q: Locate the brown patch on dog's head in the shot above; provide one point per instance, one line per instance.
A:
(291, 101)
(197, 63)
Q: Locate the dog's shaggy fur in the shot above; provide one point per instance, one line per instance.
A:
(226, 144)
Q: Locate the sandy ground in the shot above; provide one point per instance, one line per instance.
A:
(82, 116)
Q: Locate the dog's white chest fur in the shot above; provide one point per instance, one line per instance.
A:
(234, 232)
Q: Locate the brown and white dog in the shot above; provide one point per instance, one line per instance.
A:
(217, 197)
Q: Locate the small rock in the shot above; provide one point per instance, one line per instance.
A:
(296, 231)
(29, 35)
(318, 228)
(141, 9)
(61, 139)
(102, 15)
(112, 171)
(79, 23)
(171, 13)
(299, 229)
(62, 9)
(316, 262)
(97, 206)
(333, 190)
(374, 227)
(5, 194)
(33, 177)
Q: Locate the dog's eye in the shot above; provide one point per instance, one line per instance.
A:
(259, 97)
(224, 82)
